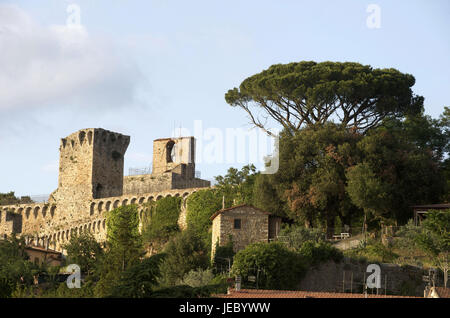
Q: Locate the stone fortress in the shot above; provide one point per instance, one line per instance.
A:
(91, 182)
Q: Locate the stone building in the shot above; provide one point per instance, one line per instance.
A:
(243, 224)
(43, 255)
(91, 182)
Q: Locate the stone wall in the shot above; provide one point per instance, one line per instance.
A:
(170, 153)
(254, 227)
(42, 223)
(91, 183)
(350, 275)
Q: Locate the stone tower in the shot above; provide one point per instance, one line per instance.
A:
(174, 154)
(91, 165)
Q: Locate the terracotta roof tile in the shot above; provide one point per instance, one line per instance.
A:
(259, 293)
(237, 206)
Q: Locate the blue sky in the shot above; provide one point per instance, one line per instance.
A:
(144, 67)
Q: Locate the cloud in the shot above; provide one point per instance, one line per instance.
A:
(60, 65)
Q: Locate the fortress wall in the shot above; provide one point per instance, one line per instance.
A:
(41, 225)
(91, 183)
(157, 183)
(147, 183)
(32, 217)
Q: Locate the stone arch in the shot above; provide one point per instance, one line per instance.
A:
(85, 228)
(89, 137)
(92, 208)
(159, 197)
(104, 224)
(44, 211)
(52, 211)
(177, 195)
(185, 194)
(125, 202)
(58, 236)
(133, 201)
(141, 214)
(36, 212)
(116, 204)
(20, 211)
(141, 200)
(27, 212)
(168, 195)
(150, 199)
(169, 148)
(100, 207)
(81, 137)
(99, 224)
(108, 205)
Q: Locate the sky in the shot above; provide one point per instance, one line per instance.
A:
(147, 68)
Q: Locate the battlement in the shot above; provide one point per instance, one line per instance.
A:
(91, 164)
(85, 137)
(91, 183)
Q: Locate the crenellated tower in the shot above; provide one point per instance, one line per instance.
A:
(91, 165)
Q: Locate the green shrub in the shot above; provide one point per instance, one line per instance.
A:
(224, 253)
(316, 253)
(198, 278)
(279, 267)
(185, 252)
(295, 236)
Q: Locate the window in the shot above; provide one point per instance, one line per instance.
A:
(237, 224)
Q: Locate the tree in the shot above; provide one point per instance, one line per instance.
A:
(435, 239)
(140, 280)
(123, 238)
(311, 179)
(397, 168)
(310, 93)
(85, 251)
(9, 198)
(185, 252)
(237, 185)
(124, 248)
(15, 269)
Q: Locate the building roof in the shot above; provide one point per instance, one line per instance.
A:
(173, 138)
(41, 249)
(260, 293)
(235, 207)
(432, 206)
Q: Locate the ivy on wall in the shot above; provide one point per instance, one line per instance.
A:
(160, 221)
